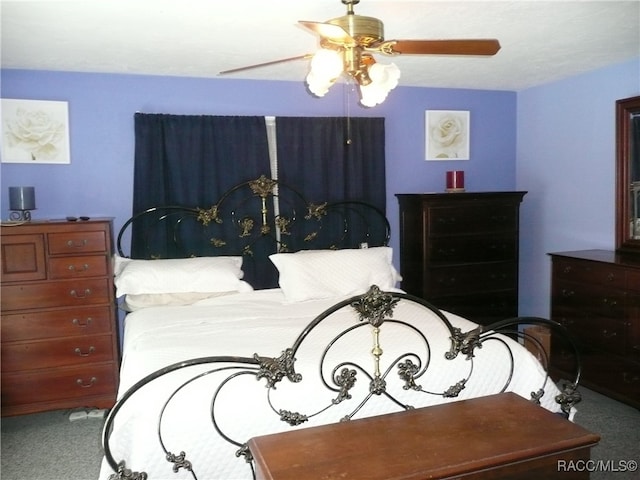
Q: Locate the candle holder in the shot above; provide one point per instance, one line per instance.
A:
(455, 181)
(21, 201)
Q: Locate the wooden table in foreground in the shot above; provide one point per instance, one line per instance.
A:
(495, 437)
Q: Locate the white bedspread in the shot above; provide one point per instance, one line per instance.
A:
(261, 322)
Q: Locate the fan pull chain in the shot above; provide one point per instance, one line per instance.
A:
(347, 101)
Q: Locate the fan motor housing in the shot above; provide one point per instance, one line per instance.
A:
(364, 30)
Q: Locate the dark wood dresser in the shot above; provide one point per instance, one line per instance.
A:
(459, 251)
(595, 294)
(58, 314)
(499, 436)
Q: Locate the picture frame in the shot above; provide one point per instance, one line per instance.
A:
(35, 131)
(447, 134)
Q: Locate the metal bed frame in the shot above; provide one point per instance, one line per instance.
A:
(374, 311)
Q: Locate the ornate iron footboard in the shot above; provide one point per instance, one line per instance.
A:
(395, 374)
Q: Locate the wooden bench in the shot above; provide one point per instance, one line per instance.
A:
(494, 437)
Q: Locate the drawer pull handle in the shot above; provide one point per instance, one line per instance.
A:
(77, 323)
(611, 303)
(80, 244)
(610, 277)
(83, 268)
(567, 269)
(567, 293)
(636, 348)
(628, 378)
(608, 334)
(79, 352)
(91, 383)
(84, 294)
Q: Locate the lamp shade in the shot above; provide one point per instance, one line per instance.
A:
(22, 198)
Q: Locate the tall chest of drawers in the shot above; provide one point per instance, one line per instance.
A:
(459, 251)
(595, 294)
(58, 316)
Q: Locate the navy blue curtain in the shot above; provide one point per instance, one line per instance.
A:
(334, 159)
(193, 159)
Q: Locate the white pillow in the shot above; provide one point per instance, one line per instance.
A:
(182, 275)
(313, 274)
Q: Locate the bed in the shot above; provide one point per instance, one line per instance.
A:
(210, 360)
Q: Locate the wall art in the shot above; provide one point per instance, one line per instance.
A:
(447, 135)
(35, 131)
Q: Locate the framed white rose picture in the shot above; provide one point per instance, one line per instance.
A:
(35, 131)
(447, 135)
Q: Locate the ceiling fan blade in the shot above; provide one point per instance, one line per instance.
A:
(266, 64)
(331, 32)
(445, 47)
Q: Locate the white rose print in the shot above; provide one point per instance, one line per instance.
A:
(447, 135)
(34, 131)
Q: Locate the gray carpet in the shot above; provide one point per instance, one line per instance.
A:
(47, 446)
(619, 428)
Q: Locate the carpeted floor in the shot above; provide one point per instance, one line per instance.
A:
(47, 446)
(619, 428)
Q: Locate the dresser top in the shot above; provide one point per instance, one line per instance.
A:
(603, 256)
(461, 196)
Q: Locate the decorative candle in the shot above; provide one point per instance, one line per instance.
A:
(22, 198)
(455, 181)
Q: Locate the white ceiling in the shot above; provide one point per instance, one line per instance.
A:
(541, 41)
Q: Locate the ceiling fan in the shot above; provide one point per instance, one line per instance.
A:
(348, 44)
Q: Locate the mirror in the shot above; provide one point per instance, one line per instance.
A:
(628, 175)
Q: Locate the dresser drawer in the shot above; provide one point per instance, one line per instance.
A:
(55, 385)
(89, 291)
(77, 242)
(78, 267)
(468, 249)
(603, 333)
(612, 375)
(483, 308)
(53, 353)
(472, 278)
(591, 298)
(589, 272)
(71, 322)
(465, 219)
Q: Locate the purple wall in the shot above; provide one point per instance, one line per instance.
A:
(101, 107)
(565, 134)
(566, 160)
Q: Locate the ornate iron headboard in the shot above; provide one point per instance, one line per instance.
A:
(405, 380)
(254, 219)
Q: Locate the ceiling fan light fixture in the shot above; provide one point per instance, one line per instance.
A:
(384, 78)
(326, 66)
